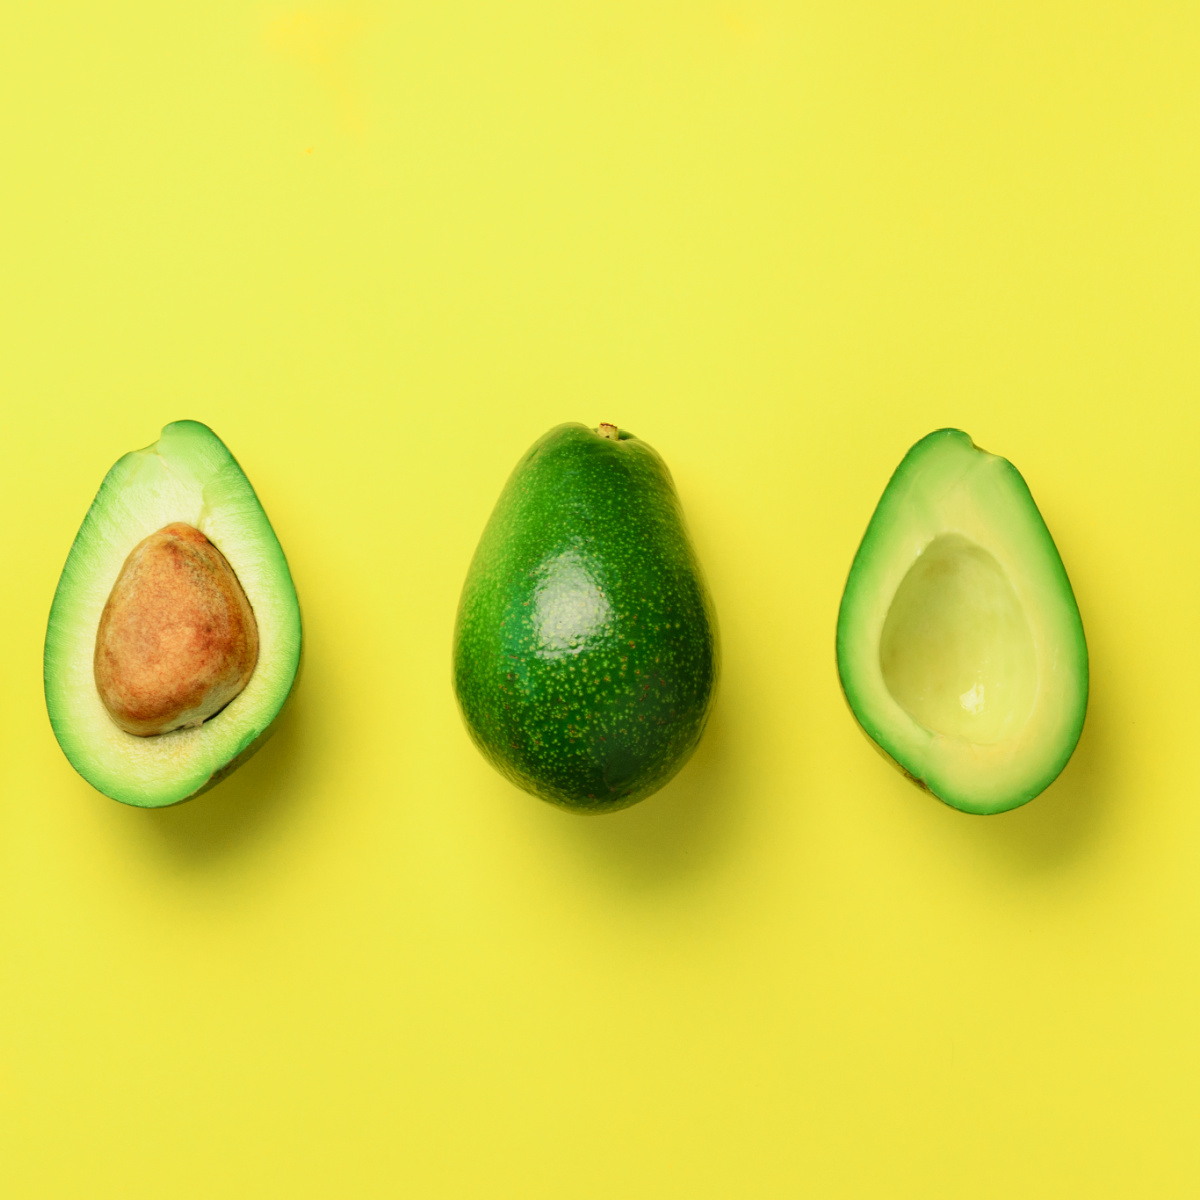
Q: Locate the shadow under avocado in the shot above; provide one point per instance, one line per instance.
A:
(673, 834)
(1054, 829)
(242, 807)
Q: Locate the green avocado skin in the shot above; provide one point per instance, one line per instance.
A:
(585, 652)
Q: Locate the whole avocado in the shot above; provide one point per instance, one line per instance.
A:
(585, 652)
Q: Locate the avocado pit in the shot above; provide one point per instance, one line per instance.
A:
(177, 639)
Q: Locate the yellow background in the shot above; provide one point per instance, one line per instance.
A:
(381, 248)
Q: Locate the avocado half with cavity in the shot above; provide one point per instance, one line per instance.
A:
(174, 636)
(585, 653)
(959, 644)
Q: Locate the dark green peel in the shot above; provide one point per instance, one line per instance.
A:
(585, 649)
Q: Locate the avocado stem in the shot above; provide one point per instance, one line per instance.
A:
(608, 431)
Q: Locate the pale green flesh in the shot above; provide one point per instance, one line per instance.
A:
(960, 647)
(187, 475)
(956, 650)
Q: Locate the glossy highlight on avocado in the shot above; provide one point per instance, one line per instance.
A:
(174, 637)
(959, 644)
(585, 652)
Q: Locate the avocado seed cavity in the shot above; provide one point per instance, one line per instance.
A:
(177, 640)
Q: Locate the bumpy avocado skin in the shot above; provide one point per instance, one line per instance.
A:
(585, 653)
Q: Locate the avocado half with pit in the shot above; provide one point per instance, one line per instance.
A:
(959, 643)
(174, 636)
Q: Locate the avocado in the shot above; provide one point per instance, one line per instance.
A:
(959, 644)
(174, 636)
(585, 652)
